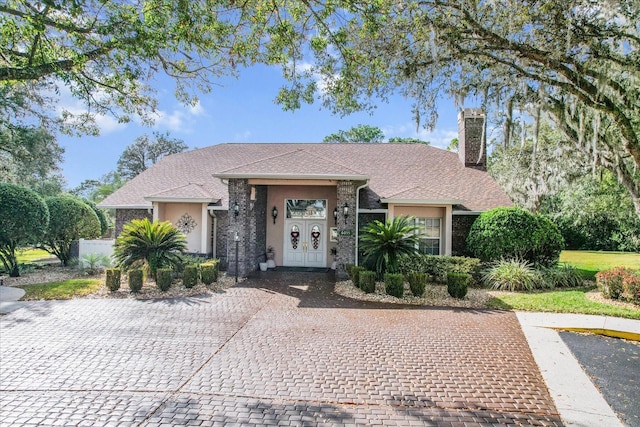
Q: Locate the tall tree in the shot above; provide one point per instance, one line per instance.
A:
(405, 140)
(97, 189)
(357, 134)
(24, 218)
(31, 157)
(146, 151)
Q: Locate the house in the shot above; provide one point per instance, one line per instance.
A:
(304, 199)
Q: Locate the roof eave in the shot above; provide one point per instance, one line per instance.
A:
(421, 201)
(114, 206)
(336, 177)
(182, 199)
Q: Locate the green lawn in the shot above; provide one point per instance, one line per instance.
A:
(66, 289)
(26, 256)
(560, 301)
(590, 262)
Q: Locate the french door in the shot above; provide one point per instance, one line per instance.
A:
(305, 234)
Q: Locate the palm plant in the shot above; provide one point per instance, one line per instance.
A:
(149, 244)
(383, 243)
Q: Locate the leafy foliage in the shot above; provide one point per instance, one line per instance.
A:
(394, 284)
(515, 233)
(145, 152)
(563, 276)
(190, 276)
(149, 244)
(417, 282)
(357, 134)
(511, 275)
(24, 218)
(94, 263)
(619, 282)
(164, 279)
(367, 281)
(595, 213)
(209, 271)
(458, 284)
(383, 243)
(135, 279)
(437, 266)
(112, 279)
(70, 219)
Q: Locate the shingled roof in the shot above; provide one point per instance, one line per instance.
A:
(395, 172)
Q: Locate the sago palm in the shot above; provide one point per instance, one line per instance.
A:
(149, 244)
(382, 243)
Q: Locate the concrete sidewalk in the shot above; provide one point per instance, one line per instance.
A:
(9, 297)
(577, 399)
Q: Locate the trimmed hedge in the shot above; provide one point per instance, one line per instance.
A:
(367, 281)
(355, 274)
(619, 283)
(136, 279)
(507, 233)
(394, 284)
(113, 279)
(437, 266)
(164, 277)
(417, 282)
(190, 276)
(209, 271)
(458, 284)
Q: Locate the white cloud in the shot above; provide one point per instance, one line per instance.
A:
(181, 119)
(242, 136)
(68, 103)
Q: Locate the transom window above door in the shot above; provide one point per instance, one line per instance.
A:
(306, 208)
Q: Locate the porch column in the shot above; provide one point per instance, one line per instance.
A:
(204, 229)
(240, 226)
(347, 233)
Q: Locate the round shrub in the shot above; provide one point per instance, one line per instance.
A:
(458, 284)
(515, 233)
(209, 272)
(190, 276)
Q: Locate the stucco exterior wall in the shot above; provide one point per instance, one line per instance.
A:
(429, 212)
(173, 212)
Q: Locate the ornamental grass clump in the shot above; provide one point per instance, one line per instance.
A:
(136, 279)
(190, 276)
(563, 276)
(367, 281)
(458, 284)
(164, 277)
(417, 282)
(394, 284)
(112, 280)
(511, 275)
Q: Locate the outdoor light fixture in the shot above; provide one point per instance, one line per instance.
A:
(345, 211)
(335, 215)
(274, 214)
(236, 209)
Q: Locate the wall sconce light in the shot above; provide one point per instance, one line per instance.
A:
(236, 209)
(335, 215)
(345, 211)
(274, 214)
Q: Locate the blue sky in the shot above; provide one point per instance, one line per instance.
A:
(240, 110)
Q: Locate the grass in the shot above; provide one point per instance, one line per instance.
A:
(590, 262)
(26, 256)
(561, 301)
(65, 289)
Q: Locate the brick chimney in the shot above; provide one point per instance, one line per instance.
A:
(472, 148)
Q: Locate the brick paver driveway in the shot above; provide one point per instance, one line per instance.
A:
(278, 349)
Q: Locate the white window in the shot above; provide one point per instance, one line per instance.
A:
(429, 231)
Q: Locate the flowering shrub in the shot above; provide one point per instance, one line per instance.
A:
(631, 288)
(611, 283)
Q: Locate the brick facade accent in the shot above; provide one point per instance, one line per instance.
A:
(125, 215)
(471, 149)
(461, 224)
(250, 226)
(222, 238)
(346, 193)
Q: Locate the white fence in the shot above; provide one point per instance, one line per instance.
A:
(101, 247)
